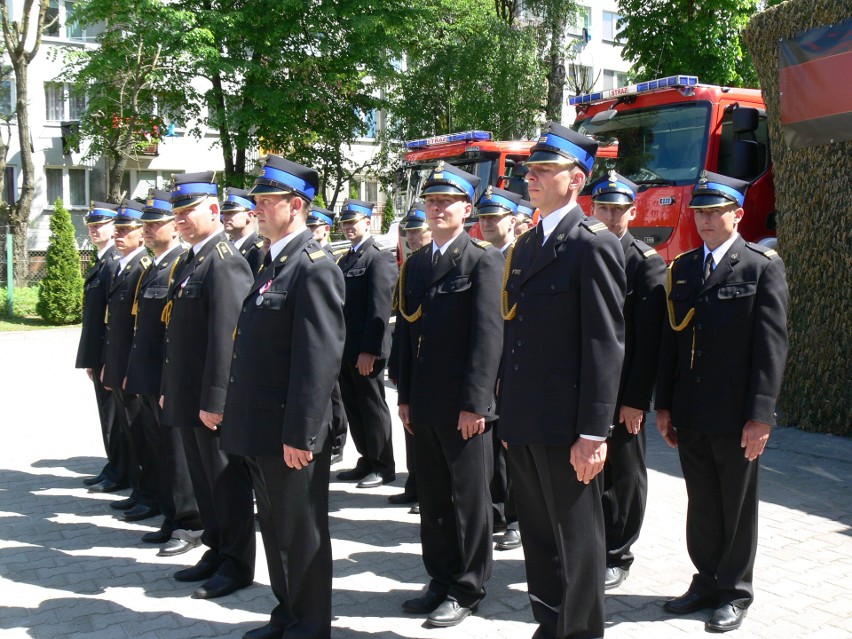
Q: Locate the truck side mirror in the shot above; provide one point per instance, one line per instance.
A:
(745, 119)
(747, 164)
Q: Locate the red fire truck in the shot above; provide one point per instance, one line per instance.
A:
(660, 134)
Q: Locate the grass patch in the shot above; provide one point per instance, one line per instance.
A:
(24, 316)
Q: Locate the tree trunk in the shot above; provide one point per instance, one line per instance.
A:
(556, 74)
(19, 213)
(222, 124)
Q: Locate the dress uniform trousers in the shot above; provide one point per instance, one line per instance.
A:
(114, 442)
(222, 488)
(142, 479)
(501, 486)
(167, 464)
(298, 549)
(455, 521)
(368, 415)
(554, 501)
(339, 425)
(721, 517)
(625, 492)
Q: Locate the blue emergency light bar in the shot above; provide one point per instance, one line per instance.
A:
(635, 89)
(466, 136)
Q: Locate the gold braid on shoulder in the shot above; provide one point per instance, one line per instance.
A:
(166, 316)
(688, 318)
(395, 298)
(401, 297)
(508, 314)
(135, 310)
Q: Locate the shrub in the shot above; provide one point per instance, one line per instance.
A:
(60, 297)
(388, 215)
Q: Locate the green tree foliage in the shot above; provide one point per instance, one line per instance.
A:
(466, 69)
(136, 80)
(388, 215)
(60, 296)
(666, 37)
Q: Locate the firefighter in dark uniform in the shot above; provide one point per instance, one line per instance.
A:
(118, 341)
(181, 527)
(524, 217)
(370, 274)
(722, 358)
(497, 213)
(320, 221)
(449, 353)
(204, 300)
(564, 346)
(286, 358)
(625, 477)
(238, 220)
(417, 235)
(100, 224)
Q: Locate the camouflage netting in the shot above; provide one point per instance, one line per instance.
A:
(813, 190)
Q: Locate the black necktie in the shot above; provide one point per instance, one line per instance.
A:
(436, 255)
(708, 268)
(267, 259)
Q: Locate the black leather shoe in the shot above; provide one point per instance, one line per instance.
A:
(726, 617)
(140, 512)
(160, 536)
(124, 504)
(91, 481)
(219, 586)
(509, 540)
(336, 458)
(414, 510)
(450, 613)
(403, 498)
(425, 604)
(351, 475)
(265, 632)
(374, 480)
(690, 602)
(177, 546)
(199, 572)
(615, 576)
(107, 486)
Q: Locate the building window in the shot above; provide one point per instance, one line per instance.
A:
(60, 21)
(580, 79)
(70, 184)
(614, 79)
(135, 184)
(610, 26)
(62, 102)
(582, 20)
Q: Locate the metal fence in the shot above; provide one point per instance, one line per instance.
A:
(37, 262)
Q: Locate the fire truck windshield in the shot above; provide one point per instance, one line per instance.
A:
(664, 145)
(483, 167)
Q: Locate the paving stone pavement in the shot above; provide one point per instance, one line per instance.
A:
(70, 568)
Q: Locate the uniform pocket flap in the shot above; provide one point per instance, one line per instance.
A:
(740, 289)
(455, 285)
(356, 272)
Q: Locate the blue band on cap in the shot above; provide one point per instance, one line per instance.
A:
(102, 213)
(457, 181)
(236, 199)
(129, 213)
(289, 180)
(617, 187)
(321, 217)
(357, 208)
(420, 214)
(195, 188)
(715, 186)
(499, 200)
(588, 161)
(525, 210)
(160, 204)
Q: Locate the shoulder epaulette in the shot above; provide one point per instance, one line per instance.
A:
(224, 248)
(259, 244)
(317, 255)
(145, 261)
(768, 253)
(685, 253)
(595, 227)
(116, 256)
(480, 243)
(644, 249)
